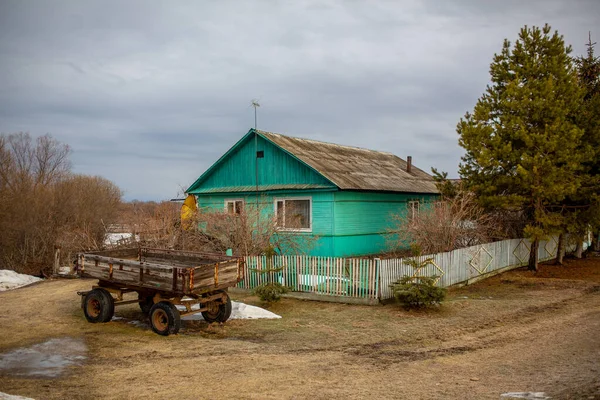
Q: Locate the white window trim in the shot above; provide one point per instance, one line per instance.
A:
(410, 205)
(284, 199)
(227, 201)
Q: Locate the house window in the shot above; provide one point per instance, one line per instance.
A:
(294, 214)
(413, 209)
(234, 206)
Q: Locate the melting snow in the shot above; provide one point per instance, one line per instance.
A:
(44, 360)
(4, 396)
(238, 311)
(113, 238)
(12, 280)
(525, 395)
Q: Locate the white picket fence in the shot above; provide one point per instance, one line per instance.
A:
(328, 276)
(370, 279)
(462, 265)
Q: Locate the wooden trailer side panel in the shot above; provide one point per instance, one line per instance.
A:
(168, 276)
(217, 275)
(133, 273)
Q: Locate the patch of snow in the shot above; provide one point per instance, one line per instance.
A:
(238, 311)
(525, 395)
(64, 271)
(139, 324)
(45, 360)
(12, 280)
(5, 396)
(113, 238)
(245, 311)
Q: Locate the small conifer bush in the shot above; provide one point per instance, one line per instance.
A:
(417, 292)
(270, 292)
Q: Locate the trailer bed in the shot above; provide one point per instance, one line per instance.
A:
(171, 272)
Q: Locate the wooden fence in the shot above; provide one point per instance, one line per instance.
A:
(467, 264)
(369, 279)
(348, 277)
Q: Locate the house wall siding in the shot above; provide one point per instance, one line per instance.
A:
(362, 219)
(343, 223)
(276, 167)
(322, 242)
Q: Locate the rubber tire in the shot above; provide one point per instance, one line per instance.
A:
(222, 315)
(146, 304)
(227, 309)
(105, 304)
(173, 319)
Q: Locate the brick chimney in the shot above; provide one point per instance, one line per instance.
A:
(409, 164)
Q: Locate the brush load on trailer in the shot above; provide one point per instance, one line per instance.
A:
(162, 280)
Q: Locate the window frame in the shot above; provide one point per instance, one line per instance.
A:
(410, 205)
(227, 201)
(310, 212)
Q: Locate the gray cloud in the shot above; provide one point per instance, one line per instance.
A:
(150, 93)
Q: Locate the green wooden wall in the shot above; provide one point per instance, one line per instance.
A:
(362, 219)
(277, 168)
(344, 223)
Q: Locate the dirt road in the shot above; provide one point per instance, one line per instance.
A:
(515, 332)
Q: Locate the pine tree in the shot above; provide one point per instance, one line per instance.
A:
(521, 140)
(586, 203)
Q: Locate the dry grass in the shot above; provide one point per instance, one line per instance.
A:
(514, 332)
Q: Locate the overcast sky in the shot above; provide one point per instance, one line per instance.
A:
(150, 93)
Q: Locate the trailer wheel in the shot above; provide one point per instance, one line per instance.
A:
(164, 318)
(98, 306)
(218, 312)
(227, 307)
(146, 303)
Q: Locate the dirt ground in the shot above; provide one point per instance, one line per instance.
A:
(518, 331)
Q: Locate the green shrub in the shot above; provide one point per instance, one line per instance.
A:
(270, 292)
(418, 291)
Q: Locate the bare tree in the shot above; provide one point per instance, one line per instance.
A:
(42, 205)
(445, 225)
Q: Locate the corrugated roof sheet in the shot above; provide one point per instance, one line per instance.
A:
(354, 168)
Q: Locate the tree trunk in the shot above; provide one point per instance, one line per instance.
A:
(533, 255)
(579, 248)
(56, 268)
(595, 245)
(560, 250)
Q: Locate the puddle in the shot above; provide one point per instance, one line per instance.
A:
(44, 360)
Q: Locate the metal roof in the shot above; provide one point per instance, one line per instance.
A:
(354, 168)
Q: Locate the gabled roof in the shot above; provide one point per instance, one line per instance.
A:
(348, 168)
(354, 168)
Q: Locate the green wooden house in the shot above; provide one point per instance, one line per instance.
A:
(342, 196)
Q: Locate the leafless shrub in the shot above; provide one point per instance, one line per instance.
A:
(445, 225)
(251, 231)
(43, 205)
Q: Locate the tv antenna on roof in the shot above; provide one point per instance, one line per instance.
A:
(254, 103)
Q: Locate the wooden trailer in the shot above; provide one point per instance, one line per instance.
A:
(162, 280)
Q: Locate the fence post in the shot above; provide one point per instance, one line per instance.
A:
(56, 259)
(377, 275)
